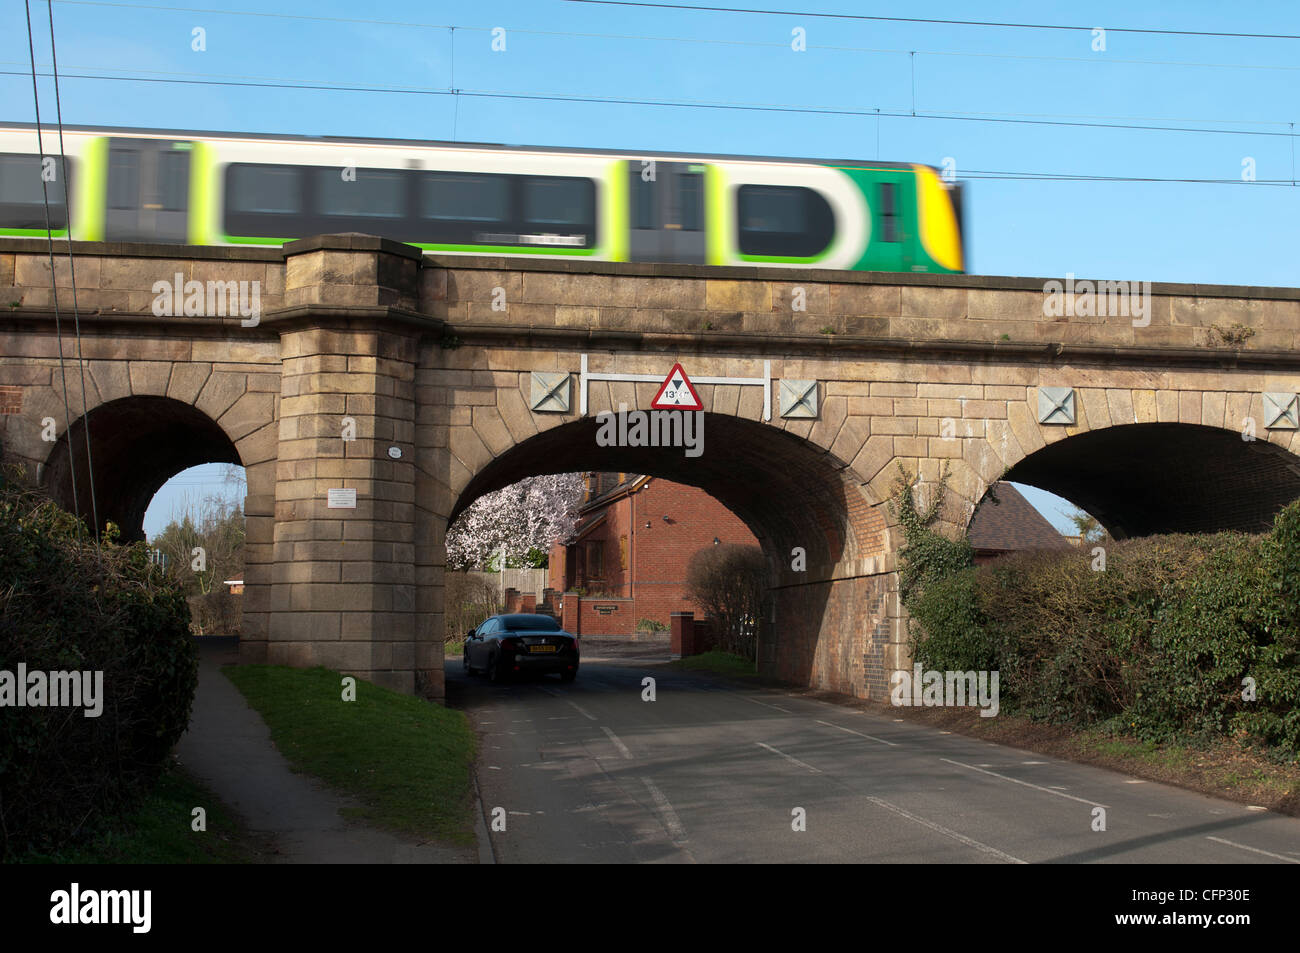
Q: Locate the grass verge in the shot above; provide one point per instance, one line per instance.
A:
(159, 831)
(406, 762)
(718, 662)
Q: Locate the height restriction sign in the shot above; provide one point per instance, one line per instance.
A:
(677, 392)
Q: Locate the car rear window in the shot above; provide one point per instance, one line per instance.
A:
(531, 623)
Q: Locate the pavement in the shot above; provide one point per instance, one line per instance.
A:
(713, 771)
(229, 747)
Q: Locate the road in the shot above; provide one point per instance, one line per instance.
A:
(712, 772)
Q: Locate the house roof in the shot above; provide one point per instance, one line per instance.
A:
(1012, 524)
(633, 481)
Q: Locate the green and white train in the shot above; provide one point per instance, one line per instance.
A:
(206, 188)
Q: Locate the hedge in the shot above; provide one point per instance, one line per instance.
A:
(70, 604)
(1164, 643)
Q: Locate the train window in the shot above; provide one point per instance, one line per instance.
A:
(788, 221)
(375, 193)
(174, 180)
(464, 197)
(690, 201)
(264, 189)
(22, 199)
(556, 201)
(889, 212)
(641, 199)
(124, 179)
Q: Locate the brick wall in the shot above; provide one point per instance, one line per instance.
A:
(647, 565)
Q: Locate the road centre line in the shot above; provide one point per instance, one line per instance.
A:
(940, 829)
(1036, 787)
(622, 748)
(582, 711)
(672, 823)
(892, 744)
(755, 701)
(802, 764)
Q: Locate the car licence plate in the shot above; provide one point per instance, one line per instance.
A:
(541, 648)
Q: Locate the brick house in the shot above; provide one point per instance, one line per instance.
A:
(1011, 525)
(628, 555)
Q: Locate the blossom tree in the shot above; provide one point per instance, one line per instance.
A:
(524, 518)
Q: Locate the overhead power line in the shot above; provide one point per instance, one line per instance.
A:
(934, 21)
(706, 40)
(893, 113)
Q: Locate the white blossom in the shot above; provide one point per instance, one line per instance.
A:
(531, 514)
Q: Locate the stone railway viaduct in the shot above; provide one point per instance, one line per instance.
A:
(470, 368)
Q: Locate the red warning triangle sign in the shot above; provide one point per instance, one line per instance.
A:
(677, 392)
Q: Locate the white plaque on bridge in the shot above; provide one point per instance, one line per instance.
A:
(341, 499)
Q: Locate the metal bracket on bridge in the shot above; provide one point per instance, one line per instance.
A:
(764, 382)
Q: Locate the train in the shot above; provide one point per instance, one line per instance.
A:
(454, 198)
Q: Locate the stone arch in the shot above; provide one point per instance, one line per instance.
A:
(1145, 478)
(136, 444)
(790, 492)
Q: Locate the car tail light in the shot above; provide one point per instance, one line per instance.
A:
(510, 643)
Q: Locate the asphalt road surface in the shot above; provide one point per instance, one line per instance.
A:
(712, 772)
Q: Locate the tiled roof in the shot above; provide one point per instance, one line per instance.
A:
(1012, 524)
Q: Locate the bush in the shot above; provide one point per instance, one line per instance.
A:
(468, 600)
(69, 604)
(1160, 642)
(729, 582)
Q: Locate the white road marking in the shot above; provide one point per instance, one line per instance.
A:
(1254, 850)
(938, 828)
(622, 748)
(672, 823)
(1135, 781)
(755, 701)
(892, 744)
(582, 711)
(802, 764)
(1033, 762)
(1036, 787)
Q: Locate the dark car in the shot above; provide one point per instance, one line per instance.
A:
(508, 645)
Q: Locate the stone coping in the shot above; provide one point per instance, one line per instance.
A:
(569, 265)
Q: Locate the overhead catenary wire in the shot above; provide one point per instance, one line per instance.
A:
(873, 113)
(868, 113)
(72, 276)
(49, 232)
(933, 21)
(710, 40)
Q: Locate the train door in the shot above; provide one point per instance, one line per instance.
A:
(893, 221)
(666, 211)
(148, 190)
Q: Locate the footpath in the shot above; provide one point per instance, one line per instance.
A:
(229, 748)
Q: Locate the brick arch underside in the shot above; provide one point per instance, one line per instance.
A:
(136, 445)
(790, 493)
(1141, 479)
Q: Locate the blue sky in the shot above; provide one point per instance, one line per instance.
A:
(1238, 94)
